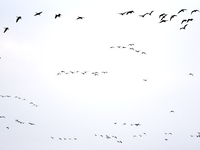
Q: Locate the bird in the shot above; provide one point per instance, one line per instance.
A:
(18, 17)
(143, 53)
(166, 139)
(129, 12)
(137, 124)
(38, 13)
(183, 27)
(172, 17)
(151, 12)
(196, 10)
(182, 10)
(122, 13)
(2, 116)
(5, 29)
(163, 21)
(184, 20)
(191, 19)
(145, 79)
(161, 15)
(191, 74)
(172, 111)
(79, 18)
(52, 137)
(130, 44)
(7, 127)
(124, 123)
(170, 133)
(57, 15)
(115, 122)
(31, 123)
(143, 15)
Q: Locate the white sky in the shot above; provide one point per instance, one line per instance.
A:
(78, 106)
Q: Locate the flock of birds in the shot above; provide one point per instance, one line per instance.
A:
(162, 17)
(95, 73)
(17, 97)
(130, 47)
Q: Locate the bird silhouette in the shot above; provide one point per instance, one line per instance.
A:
(191, 74)
(143, 53)
(172, 17)
(172, 111)
(38, 13)
(18, 17)
(191, 19)
(143, 15)
(79, 18)
(151, 12)
(57, 15)
(5, 29)
(183, 27)
(7, 127)
(196, 10)
(161, 15)
(163, 21)
(182, 10)
(184, 20)
(137, 124)
(122, 13)
(129, 12)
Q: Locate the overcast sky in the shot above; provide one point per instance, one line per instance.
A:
(42, 79)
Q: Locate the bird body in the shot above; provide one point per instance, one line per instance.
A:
(38, 13)
(79, 17)
(182, 10)
(5, 29)
(57, 15)
(196, 10)
(172, 17)
(183, 27)
(18, 18)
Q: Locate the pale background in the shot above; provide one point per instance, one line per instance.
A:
(79, 106)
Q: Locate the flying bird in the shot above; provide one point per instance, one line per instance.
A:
(5, 29)
(172, 17)
(194, 11)
(38, 13)
(163, 21)
(129, 12)
(79, 18)
(172, 111)
(18, 17)
(151, 12)
(143, 15)
(191, 74)
(143, 53)
(191, 19)
(122, 13)
(184, 20)
(57, 15)
(161, 15)
(183, 27)
(182, 10)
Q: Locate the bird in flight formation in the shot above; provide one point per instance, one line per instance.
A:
(18, 18)
(5, 29)
(38, 13)
(57, 15)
